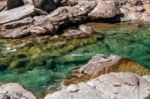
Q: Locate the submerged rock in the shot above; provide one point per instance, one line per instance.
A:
(108, 86)
(97, 64)
(15, 91)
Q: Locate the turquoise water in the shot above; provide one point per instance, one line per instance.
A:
(52, 63)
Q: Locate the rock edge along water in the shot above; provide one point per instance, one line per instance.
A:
(72, 12)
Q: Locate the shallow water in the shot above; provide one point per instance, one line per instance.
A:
(41, 67)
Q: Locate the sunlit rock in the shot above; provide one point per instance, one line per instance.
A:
(108, 86)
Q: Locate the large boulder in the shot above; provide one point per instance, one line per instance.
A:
(15, 91)
(104, 9)
(108, 86)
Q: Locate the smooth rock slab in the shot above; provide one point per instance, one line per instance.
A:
(14, 91)
(16, 14)
(108, 86)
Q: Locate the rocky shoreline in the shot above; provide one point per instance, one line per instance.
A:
(31, 18)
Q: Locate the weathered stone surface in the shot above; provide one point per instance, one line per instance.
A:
(14, 91)
(97, 64)
(15, 24)
(82, 10)
(43, 28)
(61, 16)
(75, 11)
(16, 14)
(108, 86)
(15, 33)
(104, 9)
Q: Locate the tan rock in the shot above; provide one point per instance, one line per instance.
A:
(147, 8)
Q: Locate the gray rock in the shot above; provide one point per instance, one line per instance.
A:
(75, 11)
(61, 16)
(16, 14)
(104, 9)
(108, 86)
(15, 33)
(22, 22)
(43, 28)
(14, 91)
